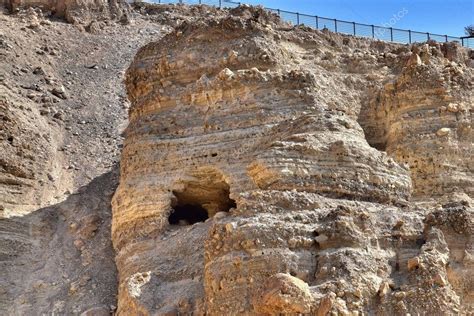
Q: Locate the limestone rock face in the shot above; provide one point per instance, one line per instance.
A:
(249, 184)
(28, 155)
(422, 117)
(286, 294)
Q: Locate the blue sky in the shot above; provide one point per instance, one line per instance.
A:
(434, 16)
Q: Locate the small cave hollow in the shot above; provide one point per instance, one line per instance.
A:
(201, 197)
(188, 214)
(373, 126)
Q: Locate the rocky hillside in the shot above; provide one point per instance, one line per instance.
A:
(266, 169)
(63, 108)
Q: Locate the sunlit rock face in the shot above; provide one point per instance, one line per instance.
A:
(423, 118)
(76, 11)
(248, 185)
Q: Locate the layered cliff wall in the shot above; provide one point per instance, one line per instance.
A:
(269, 169)
(266, 169)
(423, 118)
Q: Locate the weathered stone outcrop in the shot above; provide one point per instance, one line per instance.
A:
(62, 108)
(267, 169)
(28, 156)
(76, 11)
(422, 117)
(258, 127)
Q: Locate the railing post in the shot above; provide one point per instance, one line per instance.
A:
(297, 18)
(409, 36)
(373, 31)
(462, 41)
(200, 1)
(335, 25)
(391, 34)
(279, 14)
(354, 28)
(220, 3)
(317, 23)
(428, 35)
(446, 38)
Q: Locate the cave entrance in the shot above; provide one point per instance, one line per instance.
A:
(200, 197)
(188, 214)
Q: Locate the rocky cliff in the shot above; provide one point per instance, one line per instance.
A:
(76, 11)
(266, 169)
(277, 170)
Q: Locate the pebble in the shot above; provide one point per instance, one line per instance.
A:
(443, 131)
(321, 239)
(453, 107)
(38, 71)
(60, 92)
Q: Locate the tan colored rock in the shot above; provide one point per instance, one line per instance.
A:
(453, 107)
(443, 131)
(325, 305)
(289, 159)
(76, 11)
(321, 239)
(414, 61)
(284, 294)
(265, 169)
(401, 117)
(413, 263)
(384, 289)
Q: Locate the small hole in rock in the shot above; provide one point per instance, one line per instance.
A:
(214, 155)
(10, 139)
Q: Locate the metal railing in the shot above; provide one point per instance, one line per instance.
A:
(389, 34)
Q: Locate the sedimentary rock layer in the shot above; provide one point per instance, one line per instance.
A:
(423, 118)
(262, 128)
(28, 155)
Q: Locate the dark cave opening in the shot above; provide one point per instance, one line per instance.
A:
(204, 194)
(188, 214)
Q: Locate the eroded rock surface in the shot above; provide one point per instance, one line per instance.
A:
(423, 117)
(335, 173)
(76, 11)
(267, 169)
